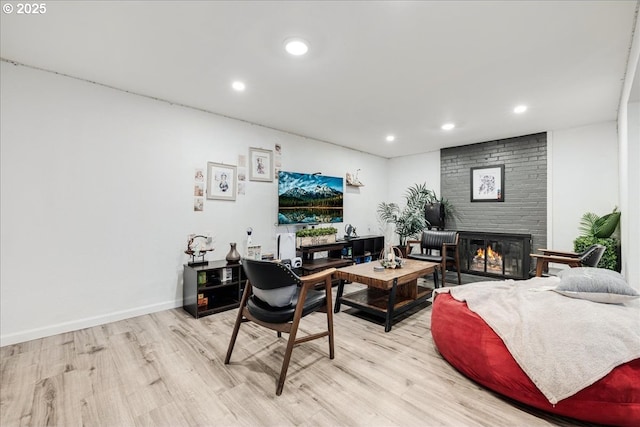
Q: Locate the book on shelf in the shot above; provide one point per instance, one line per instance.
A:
(202, 278)
(227, 274)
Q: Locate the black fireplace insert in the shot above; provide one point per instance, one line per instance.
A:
(503, 255)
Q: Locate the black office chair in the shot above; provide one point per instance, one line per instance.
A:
(590, 257)
(268, 278)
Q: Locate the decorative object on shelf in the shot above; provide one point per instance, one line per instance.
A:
(203, 302)
(221, 181)
(233, 256)
(353, 180)
(350, 231)
(487, 184)
(249, 232)
(197, 248)
(315, 236)
(391, 257)
(434, 212)
(261, 165)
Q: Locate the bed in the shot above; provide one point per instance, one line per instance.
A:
(477, 329)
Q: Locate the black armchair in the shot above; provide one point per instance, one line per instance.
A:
(289, 299)
(590, 257)
(446, 243)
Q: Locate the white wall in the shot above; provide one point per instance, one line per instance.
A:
(584, 178)
(630, 194)
(97, 199)
(629, 145)
(409, 170)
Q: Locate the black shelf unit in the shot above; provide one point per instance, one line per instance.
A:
(363, 249)
(219, 282)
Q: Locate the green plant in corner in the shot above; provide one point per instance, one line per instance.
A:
(591, 225)
(599, 230)
(410, 220)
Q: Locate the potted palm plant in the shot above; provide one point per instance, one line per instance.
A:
(409, 220)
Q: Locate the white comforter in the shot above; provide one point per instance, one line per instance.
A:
(563, 344)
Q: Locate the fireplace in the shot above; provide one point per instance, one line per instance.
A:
(501, 255)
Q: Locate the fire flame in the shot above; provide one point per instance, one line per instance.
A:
(494, 259)
(491, 254)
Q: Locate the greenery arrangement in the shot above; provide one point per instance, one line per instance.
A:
(591, 225)
(313, 232)
(410, 220)
(599, 230)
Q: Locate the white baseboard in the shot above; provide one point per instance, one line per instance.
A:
(88, 322)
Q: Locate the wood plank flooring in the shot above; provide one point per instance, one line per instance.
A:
(166, 369)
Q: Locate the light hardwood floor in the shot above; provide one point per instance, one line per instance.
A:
(166, 369)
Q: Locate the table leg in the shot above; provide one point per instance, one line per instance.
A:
(390, 304)
(539, 268)
(339, 295)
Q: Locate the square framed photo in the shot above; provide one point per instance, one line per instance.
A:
(260, 165)
(221, 181)
(487, 184)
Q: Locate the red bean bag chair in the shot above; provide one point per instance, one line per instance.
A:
(474, 349)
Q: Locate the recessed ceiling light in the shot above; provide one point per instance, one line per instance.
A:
(520, 109)
(390, 138)
(448, 126)
(296, 47)
(238, 85)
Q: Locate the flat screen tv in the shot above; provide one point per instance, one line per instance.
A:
(309, 198)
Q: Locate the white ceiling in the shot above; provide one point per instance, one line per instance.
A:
(373, 68)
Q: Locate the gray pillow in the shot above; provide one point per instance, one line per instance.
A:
(595, 284)
(279, 297)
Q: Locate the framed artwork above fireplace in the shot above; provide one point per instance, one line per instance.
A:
(487, 184)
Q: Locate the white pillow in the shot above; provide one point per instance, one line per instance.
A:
(595, 284)
(279, 297)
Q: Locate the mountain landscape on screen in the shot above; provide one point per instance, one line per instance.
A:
(309, 198)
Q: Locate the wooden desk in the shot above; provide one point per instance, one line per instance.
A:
(311, 265)
(389, 292)
(334, 249)
(315, 265)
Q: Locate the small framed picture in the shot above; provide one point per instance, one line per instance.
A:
(221, 181)
(487, 184)
(254, 252)
(260, 165)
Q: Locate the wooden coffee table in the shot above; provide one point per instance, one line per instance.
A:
(389, 292)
